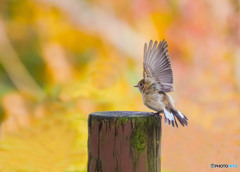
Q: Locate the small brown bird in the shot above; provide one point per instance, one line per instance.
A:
(158, 81)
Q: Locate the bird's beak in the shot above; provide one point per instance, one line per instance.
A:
(136, 86)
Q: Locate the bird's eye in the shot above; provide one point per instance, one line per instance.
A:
(141, 84)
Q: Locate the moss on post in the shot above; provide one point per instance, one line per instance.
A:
(122, 141)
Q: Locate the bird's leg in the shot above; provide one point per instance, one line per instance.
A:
(158, 113)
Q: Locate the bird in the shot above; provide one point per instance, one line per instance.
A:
(157, 82)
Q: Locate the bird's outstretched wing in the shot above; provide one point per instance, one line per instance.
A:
(157, 66)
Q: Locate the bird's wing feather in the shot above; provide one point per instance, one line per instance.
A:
(157, 66)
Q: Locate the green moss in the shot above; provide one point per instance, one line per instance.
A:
(121, 121)
(138, 137)
(138, 141)
(142, 138)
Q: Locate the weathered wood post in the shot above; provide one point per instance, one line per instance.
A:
(124, 141)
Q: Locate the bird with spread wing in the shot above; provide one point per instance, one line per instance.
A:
(158, 81)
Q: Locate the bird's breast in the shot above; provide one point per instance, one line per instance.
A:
(153, 101)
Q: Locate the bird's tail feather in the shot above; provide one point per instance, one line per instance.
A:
(172, 115)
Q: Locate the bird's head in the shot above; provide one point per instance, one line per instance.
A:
(140, 85)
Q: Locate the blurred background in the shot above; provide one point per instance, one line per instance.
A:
(61, 60)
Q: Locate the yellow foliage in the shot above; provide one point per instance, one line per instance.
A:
(84, 56)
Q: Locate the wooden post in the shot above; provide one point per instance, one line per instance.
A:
(124, 141)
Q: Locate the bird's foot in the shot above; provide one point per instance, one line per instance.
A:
(158, 113)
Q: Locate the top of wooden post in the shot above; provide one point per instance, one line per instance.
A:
(114, 114)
